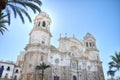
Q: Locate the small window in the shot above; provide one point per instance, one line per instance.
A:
(8, 68)
(15, 77)
(93, 44)
(44, 24)
(72, 54)
(79, 67)
(80, 75)
(63, 67)
(51, 57)
(90, 44)
(88, 67)
(41, 58)
(16, 71)
(43, 42)
(87, 44)
(97, 57)
(2, 67)
(39, 24)
(30, 65)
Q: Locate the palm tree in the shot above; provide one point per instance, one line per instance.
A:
(19, 8)
(114, 65)
(2, 23)
(111, 73)
(42, 67)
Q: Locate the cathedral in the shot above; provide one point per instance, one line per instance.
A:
(72, 60)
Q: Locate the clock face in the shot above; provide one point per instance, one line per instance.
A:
(56, 60)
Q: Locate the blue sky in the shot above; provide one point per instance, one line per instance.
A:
(99, 17)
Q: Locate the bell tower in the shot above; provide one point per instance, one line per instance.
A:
(40, 33)
(92, 55)
(90, 42)
(38, 47)
(91, 50)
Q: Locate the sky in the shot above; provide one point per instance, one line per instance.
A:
(101, 18)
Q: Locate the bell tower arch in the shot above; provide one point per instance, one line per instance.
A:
(90, 42)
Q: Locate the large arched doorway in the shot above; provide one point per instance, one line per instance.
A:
(74, 78)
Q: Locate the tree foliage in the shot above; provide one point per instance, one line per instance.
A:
(18, 8)
(111, 73)
(114, 64)
(2, 23)
(42, 67)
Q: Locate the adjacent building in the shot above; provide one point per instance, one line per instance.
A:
(7, 70)
(72, 60)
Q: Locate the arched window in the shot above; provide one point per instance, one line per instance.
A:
(16, 71)
(44, 24)
(15, 77)
(86, 44)
(74, 78)
(2, 67)
(8, 68)
(90, 44)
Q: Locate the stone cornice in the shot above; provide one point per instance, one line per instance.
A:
(40, 29)
(36, 45)
(35, 52)
(91, 49)
(70, 39)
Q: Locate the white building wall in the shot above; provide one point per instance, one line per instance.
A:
(8, 73)
(16, 73)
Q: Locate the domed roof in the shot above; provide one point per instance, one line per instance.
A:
(88, 35)
(42, 15)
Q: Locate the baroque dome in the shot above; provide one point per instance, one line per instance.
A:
(42, 15)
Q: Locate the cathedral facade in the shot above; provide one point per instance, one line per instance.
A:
(72, 60)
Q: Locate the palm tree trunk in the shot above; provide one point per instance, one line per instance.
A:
(42, 74)
(112, 78)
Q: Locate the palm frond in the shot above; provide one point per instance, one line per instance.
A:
(42, 66)
(111, 73)
(32, 6)
(2, 23)
(14, 9)
(37, 2)
(116, 59)
(114, 65)
(20, 8)
(2, 28)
